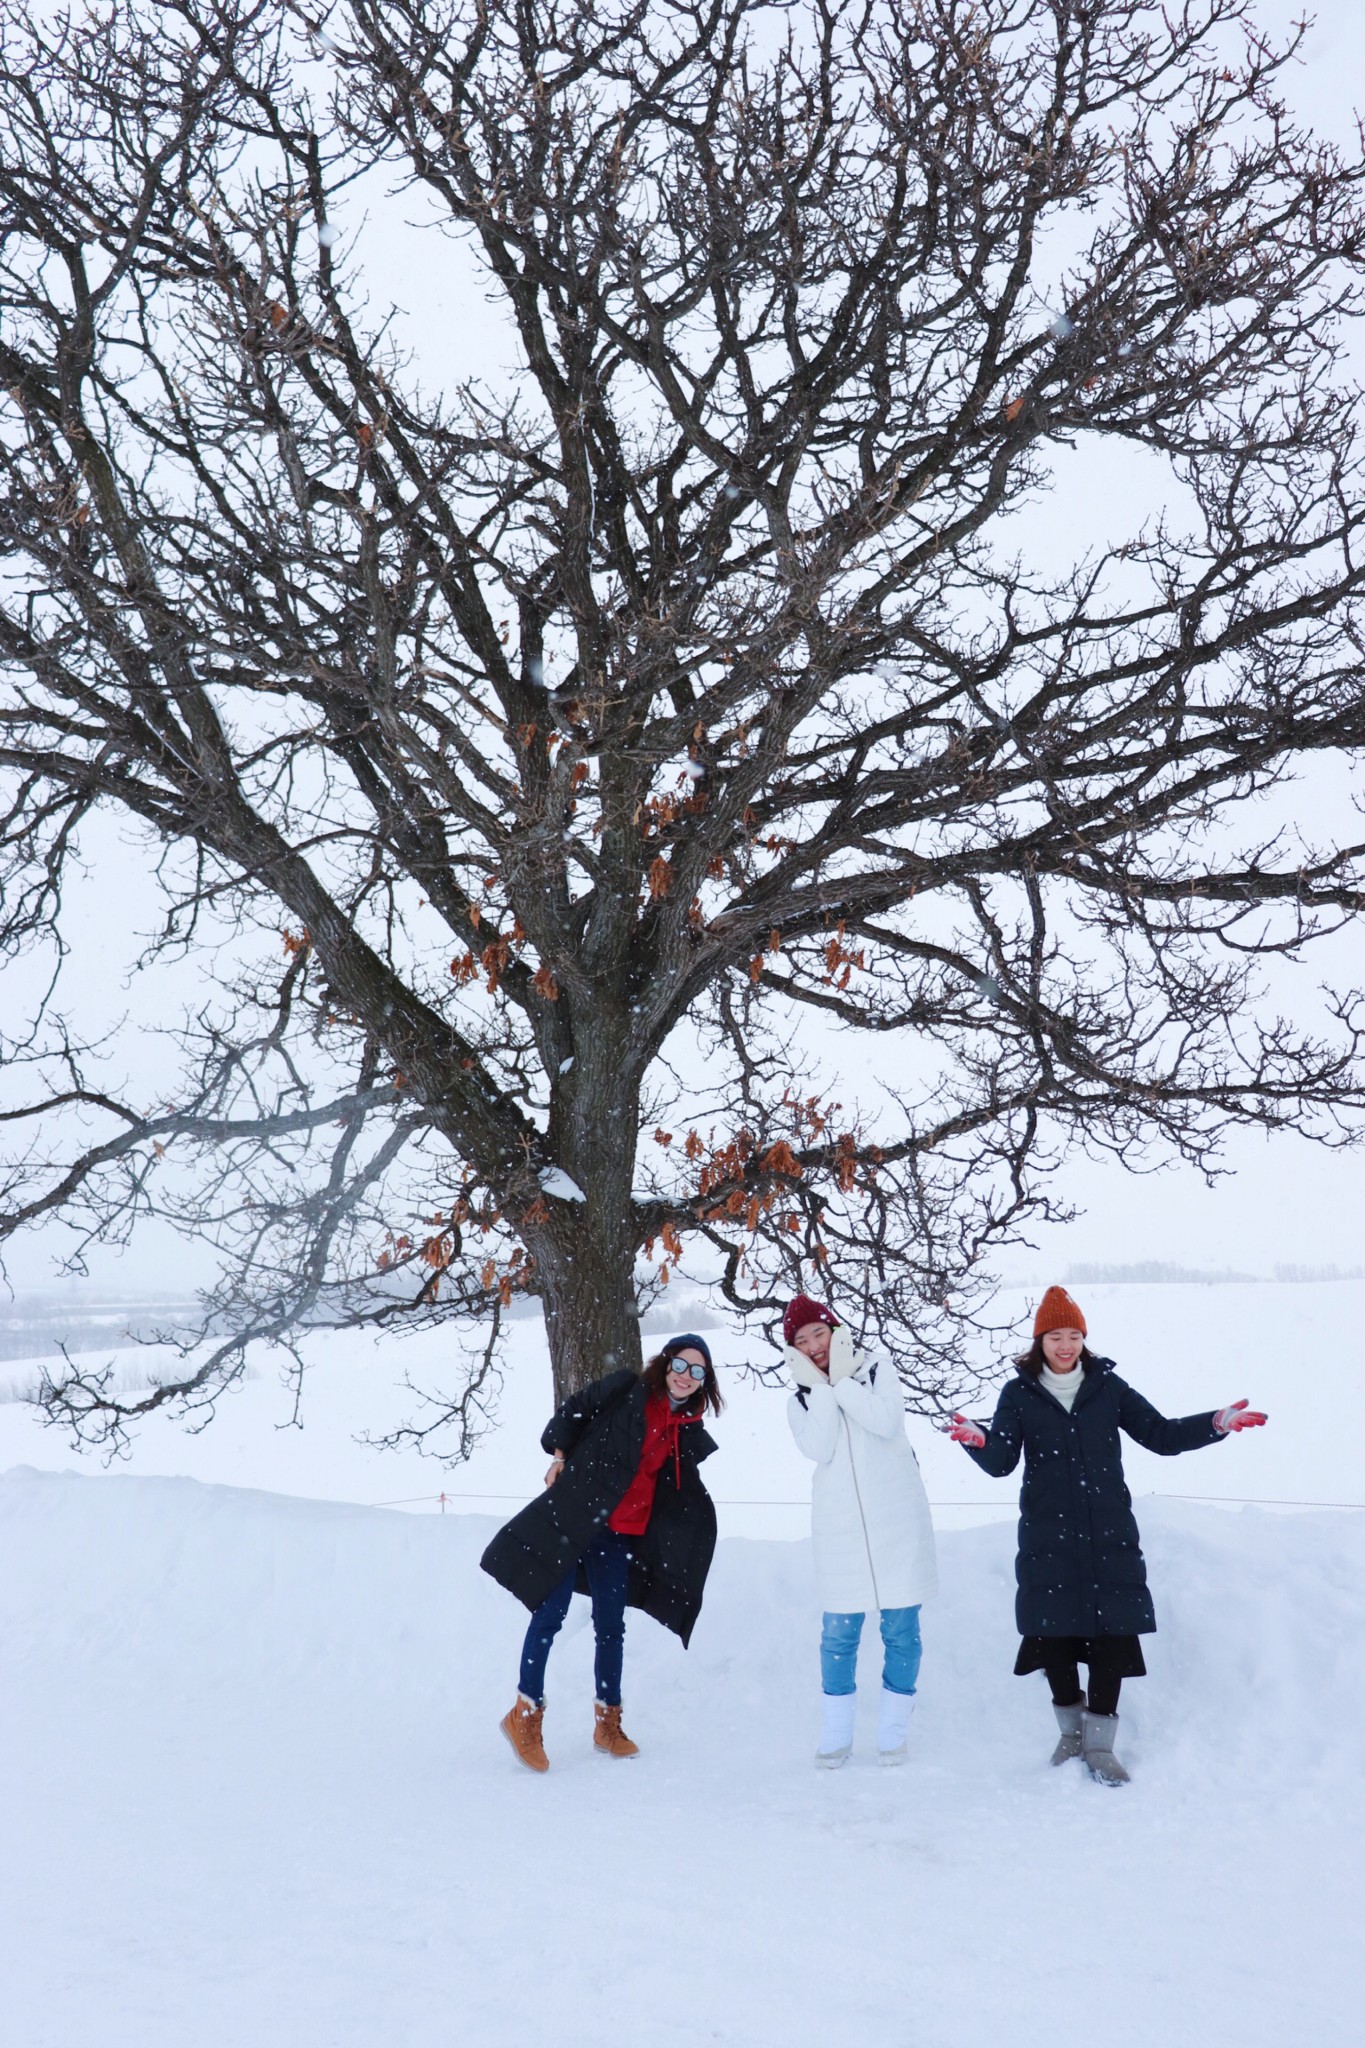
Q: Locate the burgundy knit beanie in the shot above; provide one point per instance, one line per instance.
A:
(803, 1309)
(1057, 1311)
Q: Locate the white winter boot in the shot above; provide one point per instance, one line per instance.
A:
(893, 1725)
(836, 1729)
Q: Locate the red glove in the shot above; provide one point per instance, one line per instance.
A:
(963, 1431)
(1238, 1416)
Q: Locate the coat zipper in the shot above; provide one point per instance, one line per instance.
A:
(858, 1495)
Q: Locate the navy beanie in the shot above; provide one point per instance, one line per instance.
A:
(689, 1341)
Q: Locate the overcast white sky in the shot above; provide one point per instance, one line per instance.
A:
(1286, 1201)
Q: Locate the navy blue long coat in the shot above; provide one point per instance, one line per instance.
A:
(601, 1431)
(1080, 1567)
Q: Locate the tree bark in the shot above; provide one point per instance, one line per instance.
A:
(587, 1289)
(586, 1252)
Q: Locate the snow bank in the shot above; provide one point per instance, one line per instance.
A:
(253, 1791)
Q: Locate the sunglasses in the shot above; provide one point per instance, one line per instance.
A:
(685, 1365)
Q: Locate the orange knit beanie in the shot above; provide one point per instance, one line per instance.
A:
(1057, 1311)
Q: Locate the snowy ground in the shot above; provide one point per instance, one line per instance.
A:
(254, 1793)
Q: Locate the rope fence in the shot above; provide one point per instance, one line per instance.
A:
(1225, 1500)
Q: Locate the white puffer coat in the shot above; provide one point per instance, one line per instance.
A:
(870, 1524)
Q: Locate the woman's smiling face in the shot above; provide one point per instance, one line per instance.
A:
(681, 1384)
(813, 1340)
(1062, 1348)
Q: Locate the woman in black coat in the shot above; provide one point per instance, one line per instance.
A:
(1083, 1595)
(624, 1517)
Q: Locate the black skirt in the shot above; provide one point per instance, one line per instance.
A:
(1119, 1656)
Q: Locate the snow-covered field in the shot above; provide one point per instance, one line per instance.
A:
(254, 1793)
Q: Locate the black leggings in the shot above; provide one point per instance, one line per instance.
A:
(1101, 1694)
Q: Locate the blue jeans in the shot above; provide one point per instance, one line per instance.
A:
(901, 1650)
(608, 1567)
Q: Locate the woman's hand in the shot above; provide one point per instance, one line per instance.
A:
(964, 1431)
(843, 1359)
(1237, 1416)
(804, 1370)
(555, 1469)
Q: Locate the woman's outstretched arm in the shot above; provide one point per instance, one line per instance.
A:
(997, 1449)
(1167, 1435)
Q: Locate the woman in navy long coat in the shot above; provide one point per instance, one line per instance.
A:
(625, 1517)
(1082, 1582)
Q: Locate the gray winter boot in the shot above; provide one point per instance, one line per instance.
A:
(1097, 1747)
(1069, 1721)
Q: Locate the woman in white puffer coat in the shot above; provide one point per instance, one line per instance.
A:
(870, 1525)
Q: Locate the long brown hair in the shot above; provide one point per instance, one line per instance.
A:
(709, 1395)
(1034, 1359)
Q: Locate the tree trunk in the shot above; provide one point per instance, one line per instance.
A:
(588, 1290)
(585, 1254)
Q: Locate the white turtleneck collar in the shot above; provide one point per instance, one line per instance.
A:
(1065, 1385)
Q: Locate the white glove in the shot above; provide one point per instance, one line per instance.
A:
(843, 1359)
(802, 1371)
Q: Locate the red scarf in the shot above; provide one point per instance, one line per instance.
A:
(630, 1516)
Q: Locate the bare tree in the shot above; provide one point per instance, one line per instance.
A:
(610, 744)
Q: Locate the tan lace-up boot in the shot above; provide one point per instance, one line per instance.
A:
(522, 1729)
(609, 1736)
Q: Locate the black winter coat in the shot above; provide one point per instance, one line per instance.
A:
(1080, 1568)
(601, 1431)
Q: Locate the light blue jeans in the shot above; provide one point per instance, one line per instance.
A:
(839, 1639)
